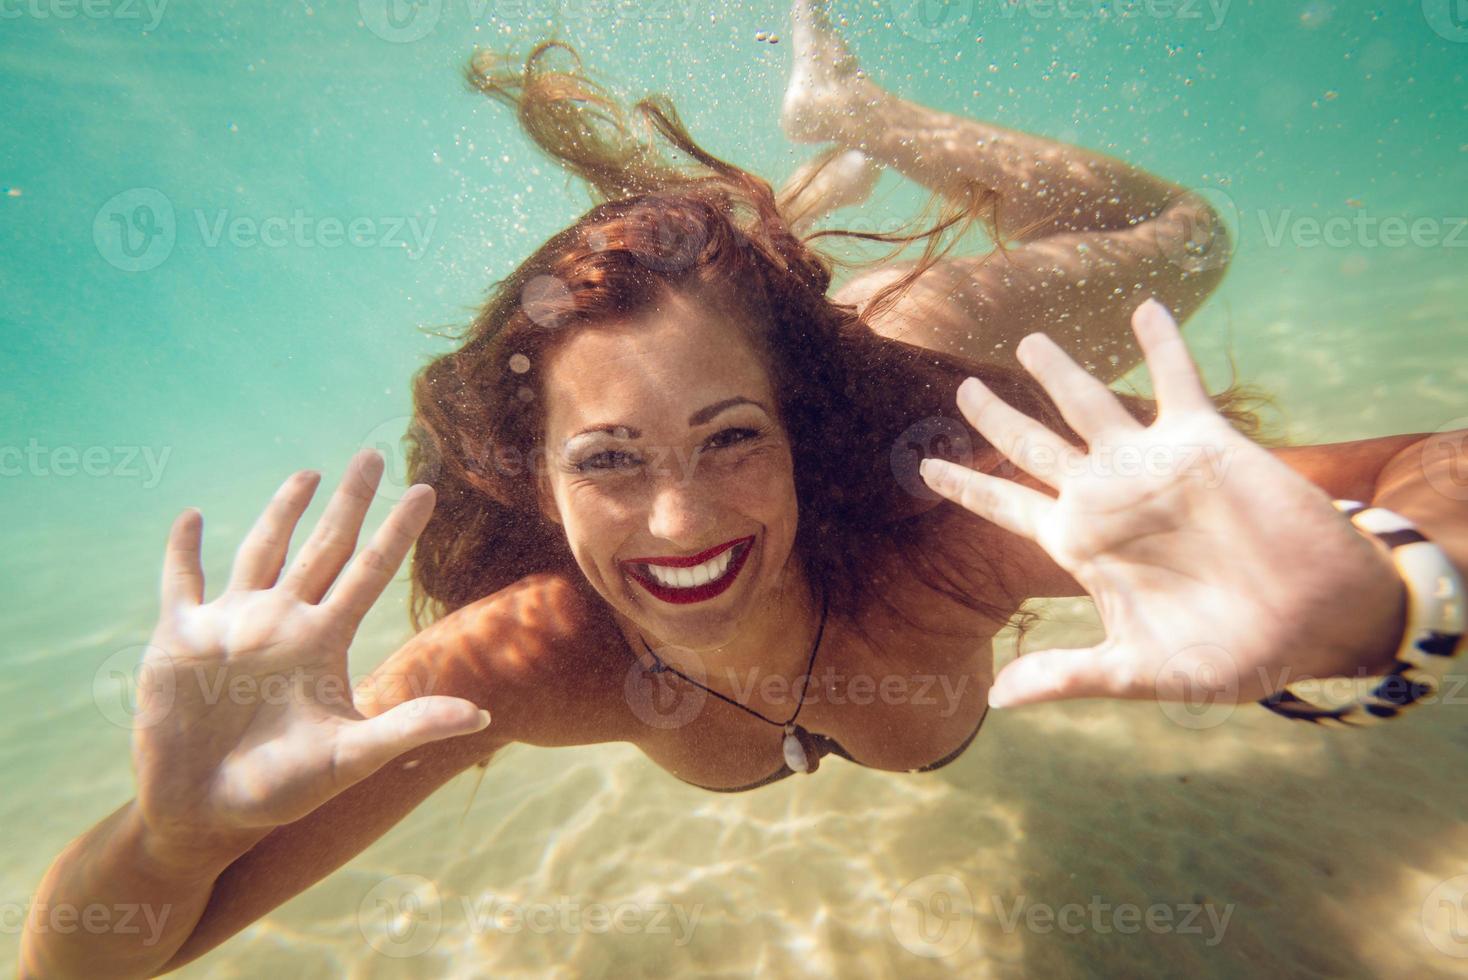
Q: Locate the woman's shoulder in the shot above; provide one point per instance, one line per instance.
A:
(537, 653)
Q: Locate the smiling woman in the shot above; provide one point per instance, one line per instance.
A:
(662, 411)
(663, 458)
(687, 287)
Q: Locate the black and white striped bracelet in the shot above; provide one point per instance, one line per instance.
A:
(1434, 633)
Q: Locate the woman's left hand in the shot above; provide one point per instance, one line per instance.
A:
(1214, 566)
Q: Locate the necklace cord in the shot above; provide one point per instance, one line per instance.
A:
(804, 688)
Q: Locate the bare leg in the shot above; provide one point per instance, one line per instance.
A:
(1047, 186)
(835, 179)
(1098, 235)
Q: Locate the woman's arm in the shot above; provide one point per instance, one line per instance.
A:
(190, 900)
(245, 722)
(152, 892)
(200, 897)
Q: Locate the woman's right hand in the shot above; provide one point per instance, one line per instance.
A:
(245, 717)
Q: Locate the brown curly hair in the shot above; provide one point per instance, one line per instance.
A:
(854, 404)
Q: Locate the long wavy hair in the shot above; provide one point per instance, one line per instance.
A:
(860, 410)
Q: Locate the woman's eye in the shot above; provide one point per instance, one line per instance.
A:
(729, 437)
(618, 459)
(611, 459)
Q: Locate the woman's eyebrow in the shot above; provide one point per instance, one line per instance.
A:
(697, 418)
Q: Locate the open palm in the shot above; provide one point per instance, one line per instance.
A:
(1213, 565)
(246, 717)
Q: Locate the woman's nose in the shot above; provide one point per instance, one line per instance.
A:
(680, 513)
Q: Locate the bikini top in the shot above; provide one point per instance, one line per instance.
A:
(825, 745)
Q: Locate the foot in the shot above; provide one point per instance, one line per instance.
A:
(827, 87)
(841, 178)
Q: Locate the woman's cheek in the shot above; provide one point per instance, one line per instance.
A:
(762, 485)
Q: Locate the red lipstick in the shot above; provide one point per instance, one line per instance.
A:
(698, 593)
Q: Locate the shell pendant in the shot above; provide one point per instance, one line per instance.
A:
(799, 754)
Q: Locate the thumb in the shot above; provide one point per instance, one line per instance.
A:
(368, 745)
(1059, 675)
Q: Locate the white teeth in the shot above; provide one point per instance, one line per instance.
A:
(688, 578)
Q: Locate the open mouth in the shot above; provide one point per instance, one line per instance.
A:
(695, 578)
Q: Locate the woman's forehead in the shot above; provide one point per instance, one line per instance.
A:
(670, 360)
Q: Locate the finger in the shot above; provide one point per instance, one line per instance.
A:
(259, 559)
(1006, 503)
(363, 747)
(1089, 407)
(1028, 444)
(1061, 675)
(375, 565)
(331, 544)
(183, 573)
(1175, 381)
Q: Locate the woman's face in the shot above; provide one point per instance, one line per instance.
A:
(670, 471)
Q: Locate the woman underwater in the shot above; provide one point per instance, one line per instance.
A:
(668, 492)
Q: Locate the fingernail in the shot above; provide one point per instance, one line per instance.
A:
(483, 719)
(935, 471)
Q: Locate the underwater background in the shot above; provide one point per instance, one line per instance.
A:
(229, 230)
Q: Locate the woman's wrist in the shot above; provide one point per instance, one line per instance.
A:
(1432, 632)
(179, 858)
(1385, 617)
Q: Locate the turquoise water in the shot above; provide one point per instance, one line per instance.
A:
(237, 334)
